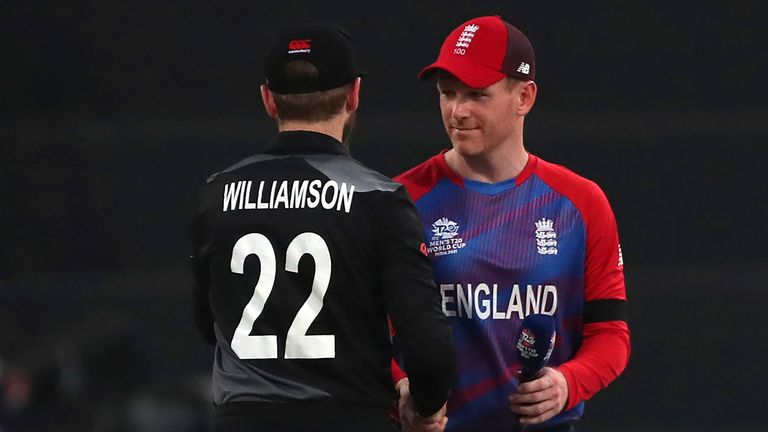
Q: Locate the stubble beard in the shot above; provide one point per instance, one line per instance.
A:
(468, 148)
(349, 127)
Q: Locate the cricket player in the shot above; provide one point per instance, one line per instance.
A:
(509, 235)
(301, 254)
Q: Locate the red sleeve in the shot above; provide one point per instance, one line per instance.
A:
(605, 347)
(604, 272)
(603, 355)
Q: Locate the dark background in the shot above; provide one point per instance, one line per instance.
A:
(114, 112)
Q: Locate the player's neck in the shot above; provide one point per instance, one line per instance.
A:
(333, 127)
(503, 163)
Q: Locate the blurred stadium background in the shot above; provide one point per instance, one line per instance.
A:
(115, 112)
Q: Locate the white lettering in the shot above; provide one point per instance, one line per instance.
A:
(549, 291)
(282, 195)
(345, 197)
(289, 194)
(484, 312)
(231, 195)
(486, 301)
(241, 188)
(443, 289)
(260, 204)
(272, 194)
(496, 313)
(299, 194)
(464, 301)
(248, 204)
(515, 304)
(532, 301)
(328, 204)
(313, 190)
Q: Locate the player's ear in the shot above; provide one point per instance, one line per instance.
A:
(527, 95)
(353, 97)
(269, 101)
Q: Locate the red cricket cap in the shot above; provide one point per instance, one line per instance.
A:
(484, 50)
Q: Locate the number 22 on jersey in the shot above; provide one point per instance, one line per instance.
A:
(298, 344)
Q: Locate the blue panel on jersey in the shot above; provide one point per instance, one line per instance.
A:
(489, 188)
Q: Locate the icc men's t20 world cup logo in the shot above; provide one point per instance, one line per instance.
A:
(445, 238)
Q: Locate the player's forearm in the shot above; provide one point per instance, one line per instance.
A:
(431, 385)
(603, 355)
(426, 340)
(422, 331)
(423, 335)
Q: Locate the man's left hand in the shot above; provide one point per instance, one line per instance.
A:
(541, 399)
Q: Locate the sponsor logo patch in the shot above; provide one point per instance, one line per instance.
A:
(300, 46)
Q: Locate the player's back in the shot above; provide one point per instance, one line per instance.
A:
(300, 245)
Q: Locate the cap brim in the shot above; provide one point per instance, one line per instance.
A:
(472, 74)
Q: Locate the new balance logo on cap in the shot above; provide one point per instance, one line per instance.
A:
(524, 68)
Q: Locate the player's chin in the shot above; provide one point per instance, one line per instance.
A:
(467, 146)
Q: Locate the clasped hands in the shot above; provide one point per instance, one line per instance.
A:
(535, 402)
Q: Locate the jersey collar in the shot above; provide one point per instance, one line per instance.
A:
(528, 169)
(305, 142)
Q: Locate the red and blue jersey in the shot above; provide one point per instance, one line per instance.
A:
(543, 242)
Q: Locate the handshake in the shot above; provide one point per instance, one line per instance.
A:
(412, 421)
(535, 402)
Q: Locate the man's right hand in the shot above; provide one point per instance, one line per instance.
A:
(412, 422)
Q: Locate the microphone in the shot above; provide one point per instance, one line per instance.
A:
(535, 344)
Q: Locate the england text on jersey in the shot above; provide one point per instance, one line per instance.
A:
(289, 194)
(485, 301)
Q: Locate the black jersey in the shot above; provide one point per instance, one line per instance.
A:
(301, 253)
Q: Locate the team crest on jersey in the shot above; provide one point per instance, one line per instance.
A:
(445, 238)
(546, 237)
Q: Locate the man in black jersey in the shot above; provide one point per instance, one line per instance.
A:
(300, 255)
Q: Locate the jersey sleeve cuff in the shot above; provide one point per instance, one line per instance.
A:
(573, 397)
(397, 372)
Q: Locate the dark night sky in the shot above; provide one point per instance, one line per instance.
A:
(140, 58)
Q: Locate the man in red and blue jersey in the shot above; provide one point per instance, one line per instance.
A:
(509, 235)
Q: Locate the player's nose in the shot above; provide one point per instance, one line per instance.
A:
(460, 109)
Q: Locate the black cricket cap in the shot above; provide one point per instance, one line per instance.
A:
(326, 46)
